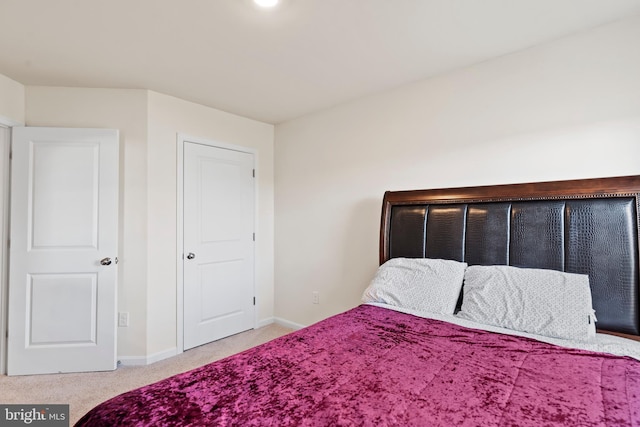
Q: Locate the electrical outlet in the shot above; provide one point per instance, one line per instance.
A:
(123, 319)
(315, 297)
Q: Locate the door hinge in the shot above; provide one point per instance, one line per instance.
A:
(254, 300)
(254, 173)
(254, 237)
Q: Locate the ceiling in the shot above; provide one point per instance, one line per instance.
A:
(274, 65)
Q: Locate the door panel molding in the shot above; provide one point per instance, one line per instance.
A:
(181, 140)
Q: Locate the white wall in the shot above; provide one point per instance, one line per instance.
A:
(568, 109)
(11, 100)
(167, 117)
(125, 110)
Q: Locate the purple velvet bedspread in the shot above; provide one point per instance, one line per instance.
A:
(376, 367)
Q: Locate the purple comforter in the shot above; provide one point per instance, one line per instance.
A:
(376, 367)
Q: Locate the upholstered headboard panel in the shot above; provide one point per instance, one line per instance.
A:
(582, 226)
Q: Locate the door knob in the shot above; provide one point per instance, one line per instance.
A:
(105, 261)
(191, 255)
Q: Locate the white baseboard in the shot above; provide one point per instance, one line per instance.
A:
(147, 360)
(288, 324)
(264, 322)
(152, 358)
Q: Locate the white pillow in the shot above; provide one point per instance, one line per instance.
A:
(424, 284)
(542, 302)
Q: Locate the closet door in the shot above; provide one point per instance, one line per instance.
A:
(218, 262)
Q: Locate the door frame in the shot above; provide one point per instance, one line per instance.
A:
(180, 141)
(5, 192)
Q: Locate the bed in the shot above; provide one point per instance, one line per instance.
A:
(391, 361)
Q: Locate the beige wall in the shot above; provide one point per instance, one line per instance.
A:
(167, 117)
(125, 110)
(11, 100)
(567, 109)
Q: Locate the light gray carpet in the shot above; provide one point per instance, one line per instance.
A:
(85, 390)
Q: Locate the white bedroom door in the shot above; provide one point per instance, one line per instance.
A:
(63, 272)
(218, 256)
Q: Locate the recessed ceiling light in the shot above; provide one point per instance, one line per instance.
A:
(266, 3)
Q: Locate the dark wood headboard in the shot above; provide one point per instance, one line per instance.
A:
(587, 226)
